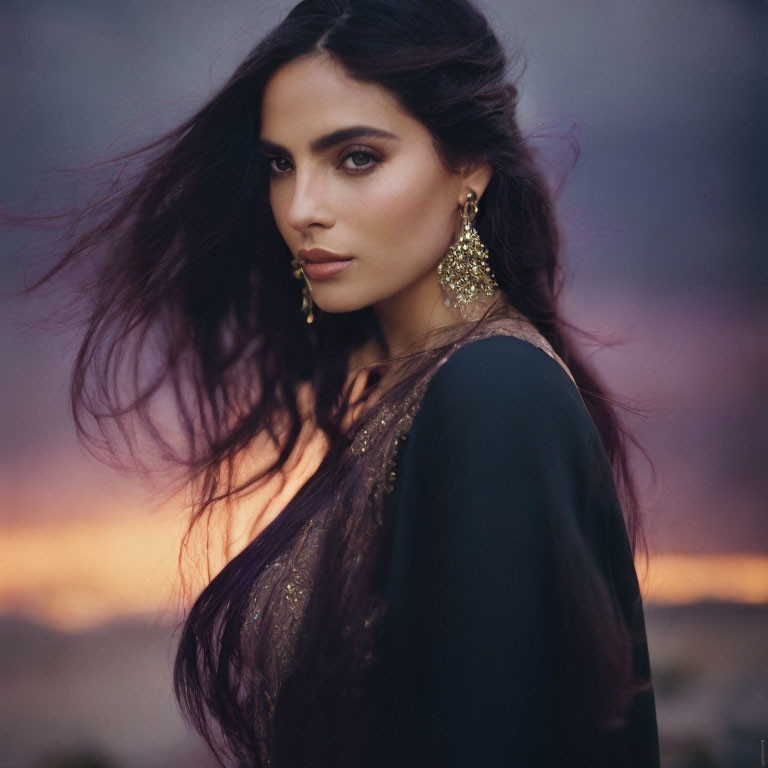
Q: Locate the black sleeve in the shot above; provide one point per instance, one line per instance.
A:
(497, 448)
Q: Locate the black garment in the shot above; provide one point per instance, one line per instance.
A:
(499, 449)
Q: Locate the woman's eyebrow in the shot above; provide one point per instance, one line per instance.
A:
(329, 140)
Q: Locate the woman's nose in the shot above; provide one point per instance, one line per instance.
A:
(309, 202)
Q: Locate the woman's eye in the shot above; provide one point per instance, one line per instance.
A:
(359, 160)
(274, 163)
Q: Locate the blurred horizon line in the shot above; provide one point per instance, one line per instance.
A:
(77, 574)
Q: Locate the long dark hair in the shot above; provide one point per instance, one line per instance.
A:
(190, 293)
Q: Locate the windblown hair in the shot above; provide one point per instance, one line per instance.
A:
(191, 283)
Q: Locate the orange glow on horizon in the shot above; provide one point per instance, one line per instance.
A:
(81, 572)
(77, 572)
(678, 579)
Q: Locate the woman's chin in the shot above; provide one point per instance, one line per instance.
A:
(339, 304)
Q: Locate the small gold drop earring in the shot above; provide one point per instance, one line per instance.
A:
(465, 274)
(306, 292)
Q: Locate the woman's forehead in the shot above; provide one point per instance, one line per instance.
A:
(314, 95)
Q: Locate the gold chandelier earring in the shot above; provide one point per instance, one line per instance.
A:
(465, 274)
(307, 306)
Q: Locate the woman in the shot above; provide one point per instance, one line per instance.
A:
(351, 243)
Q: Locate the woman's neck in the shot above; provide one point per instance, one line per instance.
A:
(406, 339)
(502, 317)
(408, 318)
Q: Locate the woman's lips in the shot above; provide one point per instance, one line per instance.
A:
(319, 270)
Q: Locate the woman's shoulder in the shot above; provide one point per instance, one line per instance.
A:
(503, 409)
(504, 376)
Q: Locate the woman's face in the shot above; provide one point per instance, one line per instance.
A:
(378, 196)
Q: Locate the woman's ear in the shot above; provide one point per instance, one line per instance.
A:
(476, 176)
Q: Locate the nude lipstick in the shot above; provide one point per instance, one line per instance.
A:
(320, 265)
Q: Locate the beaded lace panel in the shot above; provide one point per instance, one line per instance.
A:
(285, 585)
